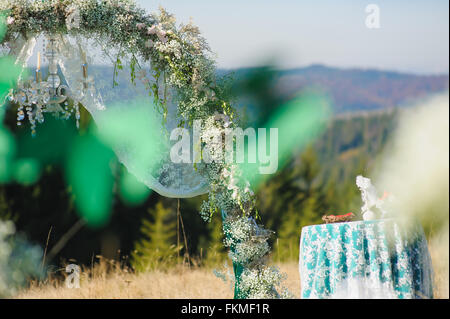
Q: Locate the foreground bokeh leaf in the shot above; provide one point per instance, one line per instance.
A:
(89, 172)
(26, 171)
(299, 122)
(132, 191)
(7, 153)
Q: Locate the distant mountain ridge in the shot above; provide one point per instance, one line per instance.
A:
(351, 90)
(359, 89)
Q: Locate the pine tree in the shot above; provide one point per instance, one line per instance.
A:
(158, 243)
(306, 208)
(216, 252)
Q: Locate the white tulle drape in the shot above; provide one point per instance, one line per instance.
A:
(22, 49)
(152, 167)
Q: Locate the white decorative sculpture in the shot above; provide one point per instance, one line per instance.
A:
(373, 206)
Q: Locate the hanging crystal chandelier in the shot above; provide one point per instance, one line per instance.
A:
(35, 96)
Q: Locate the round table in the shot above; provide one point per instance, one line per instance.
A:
(365, 259)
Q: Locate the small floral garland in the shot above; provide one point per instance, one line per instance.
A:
(181, 58)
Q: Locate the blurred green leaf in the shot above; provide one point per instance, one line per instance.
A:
(89, 173)
(26, 171)
(9, 73)
(132, 191)
(3, 16)
(299, 122)
(7, 153)
(135, 127)
(52, 142)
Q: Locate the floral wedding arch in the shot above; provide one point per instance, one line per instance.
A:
(182, 73)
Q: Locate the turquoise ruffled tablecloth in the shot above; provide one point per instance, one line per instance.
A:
(365, 259)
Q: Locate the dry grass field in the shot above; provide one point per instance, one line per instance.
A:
(177, 283)
(108, 280)
(439, 251)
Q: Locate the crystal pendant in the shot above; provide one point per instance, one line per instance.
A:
(20, 115)
(45, 98)
(54, 81)
(22, 98)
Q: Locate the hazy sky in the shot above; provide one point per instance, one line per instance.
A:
(413, 35)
